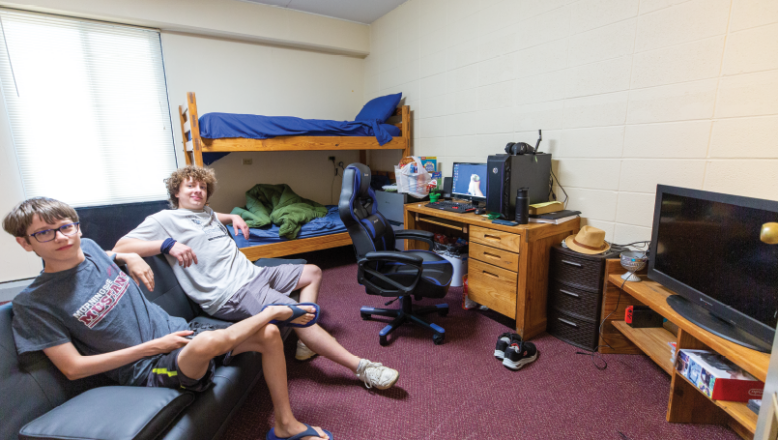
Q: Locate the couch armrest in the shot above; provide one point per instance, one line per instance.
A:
(115, 412)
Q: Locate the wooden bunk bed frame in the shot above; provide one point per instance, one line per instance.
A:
(194, 146)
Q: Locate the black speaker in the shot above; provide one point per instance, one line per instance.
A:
(506, 174)
(448, 183)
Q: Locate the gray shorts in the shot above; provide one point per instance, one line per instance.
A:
(272, 286)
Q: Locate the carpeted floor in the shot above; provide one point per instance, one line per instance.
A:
(458, 390)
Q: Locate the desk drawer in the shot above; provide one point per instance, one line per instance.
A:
(493, 287)
(498, 257)
(571, 329)
(579, 303)
(495, 238)
(576, 271)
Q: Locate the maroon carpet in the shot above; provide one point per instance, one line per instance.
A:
(458, 390)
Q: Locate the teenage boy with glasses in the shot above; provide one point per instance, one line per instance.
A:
(85, 314)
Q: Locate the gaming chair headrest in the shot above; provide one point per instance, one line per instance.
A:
(356, 184)
(361, 175)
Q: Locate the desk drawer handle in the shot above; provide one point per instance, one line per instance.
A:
(568, 322)
(492, 255)
(571, 263)
(492, 237)
(569, 293)
(490, 274)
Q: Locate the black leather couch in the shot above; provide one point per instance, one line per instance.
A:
(38, 402)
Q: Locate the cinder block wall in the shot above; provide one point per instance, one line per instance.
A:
(629, 93)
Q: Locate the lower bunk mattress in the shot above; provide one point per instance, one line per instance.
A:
(329, 224)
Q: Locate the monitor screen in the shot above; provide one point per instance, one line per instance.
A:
(714, 248)
(469, 180)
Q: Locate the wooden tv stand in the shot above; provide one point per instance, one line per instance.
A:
(507, 266)
(687, 404)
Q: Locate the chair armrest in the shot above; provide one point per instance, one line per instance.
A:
(124, 412)
(390, 256)
(415, 234)
(397, 256)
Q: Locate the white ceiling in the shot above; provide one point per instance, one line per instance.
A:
(361, 11)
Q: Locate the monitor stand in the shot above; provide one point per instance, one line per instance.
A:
(706, 320)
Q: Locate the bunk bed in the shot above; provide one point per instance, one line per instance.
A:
(194, 146)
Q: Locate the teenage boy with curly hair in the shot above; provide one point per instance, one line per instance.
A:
(215, 274)
(88, 317)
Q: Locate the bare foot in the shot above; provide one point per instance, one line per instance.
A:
(285, 312)
(296, 428)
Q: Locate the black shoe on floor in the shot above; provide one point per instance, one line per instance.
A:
(503, 342)
(519, 355)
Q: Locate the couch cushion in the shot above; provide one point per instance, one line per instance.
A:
(114, 412)
(167, 293)
(33, 384)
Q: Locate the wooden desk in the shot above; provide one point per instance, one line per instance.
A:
(687, 404)
(508, 265)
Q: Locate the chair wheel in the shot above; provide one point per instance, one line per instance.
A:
(364, 316)
(438, 339)
(382, 340)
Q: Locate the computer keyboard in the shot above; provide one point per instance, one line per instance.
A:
(450, 206)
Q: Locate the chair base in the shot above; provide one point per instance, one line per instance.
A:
(406, 313)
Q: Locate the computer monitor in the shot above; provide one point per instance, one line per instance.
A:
(469, 181)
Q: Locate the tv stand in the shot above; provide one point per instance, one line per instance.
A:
(687, 404)
(713, 324)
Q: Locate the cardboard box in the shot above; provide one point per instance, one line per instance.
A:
(717, 377)
(430, 163)
(438, 179)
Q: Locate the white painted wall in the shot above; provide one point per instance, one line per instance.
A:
(629, 93)
(237, 76)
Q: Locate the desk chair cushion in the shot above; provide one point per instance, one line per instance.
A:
(436, 270)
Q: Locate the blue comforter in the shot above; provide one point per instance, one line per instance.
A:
(329, 224)
(229, 125)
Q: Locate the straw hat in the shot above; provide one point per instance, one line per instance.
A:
(589, 240)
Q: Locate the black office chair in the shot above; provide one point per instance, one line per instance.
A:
(385, 271)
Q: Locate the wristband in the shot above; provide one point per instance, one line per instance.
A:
(167, 245)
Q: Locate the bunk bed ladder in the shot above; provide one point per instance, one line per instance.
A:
(190, 131)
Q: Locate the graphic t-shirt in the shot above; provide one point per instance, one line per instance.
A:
(95, 306)
(221, 268)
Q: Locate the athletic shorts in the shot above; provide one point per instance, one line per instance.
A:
(166, 374)
(273, 285)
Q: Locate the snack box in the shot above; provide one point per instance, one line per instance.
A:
(717, 377)
(438, 179)
(430, 163)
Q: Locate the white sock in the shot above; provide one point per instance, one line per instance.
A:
(363, 363)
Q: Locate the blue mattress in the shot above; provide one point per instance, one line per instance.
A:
(229, 125)
(329, 224)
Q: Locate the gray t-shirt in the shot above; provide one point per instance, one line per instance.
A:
(95, 306)
(221, 268)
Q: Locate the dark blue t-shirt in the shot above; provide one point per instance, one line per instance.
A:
(95, 306)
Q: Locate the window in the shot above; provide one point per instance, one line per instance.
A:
(88, 108)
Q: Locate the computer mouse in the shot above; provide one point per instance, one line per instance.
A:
(479, 211)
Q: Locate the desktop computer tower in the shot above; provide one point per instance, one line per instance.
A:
(507, 173)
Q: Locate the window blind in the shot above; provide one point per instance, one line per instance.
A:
(88, 108)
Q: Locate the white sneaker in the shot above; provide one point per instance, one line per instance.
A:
(303, 353)
(374, 374)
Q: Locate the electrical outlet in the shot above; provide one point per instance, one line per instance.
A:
(331, 158)
(248, 161)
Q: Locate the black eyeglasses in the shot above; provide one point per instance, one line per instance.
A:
(50, 234)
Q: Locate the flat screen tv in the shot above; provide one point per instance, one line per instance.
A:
(705, 247)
